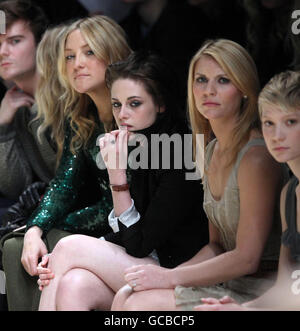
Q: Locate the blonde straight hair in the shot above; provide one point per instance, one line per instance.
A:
(49, 90)
(241, 70)
(282, 91)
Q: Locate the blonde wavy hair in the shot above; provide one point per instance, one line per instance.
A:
(49, 89)
(56, 99)
(108, 42)
(282, 91)
(241, 70)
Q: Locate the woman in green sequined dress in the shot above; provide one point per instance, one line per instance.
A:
(78, 199)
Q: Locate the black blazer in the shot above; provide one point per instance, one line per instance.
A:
(172, 218)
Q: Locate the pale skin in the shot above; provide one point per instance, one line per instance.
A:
(86, 75)
(89, 278)
(281, 131)
(17, 64)
(259, 185)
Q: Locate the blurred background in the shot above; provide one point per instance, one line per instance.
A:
(175, 29)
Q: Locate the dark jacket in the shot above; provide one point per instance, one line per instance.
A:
(172, 218)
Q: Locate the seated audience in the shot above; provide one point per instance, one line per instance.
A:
(241, 184)
(157, 215)
(279, 105)
(23, 158)
(78, 199)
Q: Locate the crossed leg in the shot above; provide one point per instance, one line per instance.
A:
(102, 259)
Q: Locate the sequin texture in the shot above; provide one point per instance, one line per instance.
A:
(79, 198)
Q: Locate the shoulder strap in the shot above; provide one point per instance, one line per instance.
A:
(290, 204)
(209, 151)
(243, 151)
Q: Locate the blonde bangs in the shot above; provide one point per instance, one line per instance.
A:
(282, 91)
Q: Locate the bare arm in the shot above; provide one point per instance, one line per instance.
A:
(281, 295)
(113, 148)
(259, 179)
(209, 251)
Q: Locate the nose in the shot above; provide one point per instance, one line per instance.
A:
(210, 88)
(278, 133)
(4, 49)
(79, 61)
(123, 114)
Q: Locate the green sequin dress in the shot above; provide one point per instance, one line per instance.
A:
(79, 198)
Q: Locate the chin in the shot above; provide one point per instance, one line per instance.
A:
(7, 76)
(80, 89)
(282, 158)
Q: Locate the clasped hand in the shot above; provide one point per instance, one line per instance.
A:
(45, 274)
(147, 277)
(114, 149)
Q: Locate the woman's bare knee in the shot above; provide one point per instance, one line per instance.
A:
(80, 289)
(65, 250)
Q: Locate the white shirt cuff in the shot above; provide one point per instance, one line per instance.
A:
(128, 218)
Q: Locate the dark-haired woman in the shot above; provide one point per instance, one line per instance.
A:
(157, 216)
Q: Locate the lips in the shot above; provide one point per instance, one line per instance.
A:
(4, 64)
(280, 149)
(81, 76)
(127, 125)
(210, 103)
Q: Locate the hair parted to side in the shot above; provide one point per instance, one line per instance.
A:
(33, 15)
(241, 70)
(49, 89)
(282, 91)
(156, 76)
(108, 42)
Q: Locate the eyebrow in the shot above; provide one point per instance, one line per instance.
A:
(19, 36)
(219, 75)
(83, 46)
(286, 114)
(129, 98)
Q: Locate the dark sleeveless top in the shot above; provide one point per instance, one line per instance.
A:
(291, 237)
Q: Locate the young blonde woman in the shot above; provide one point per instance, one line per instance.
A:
(78, 199)
(157, 215)
(75, 196)
(279, 106)
(241, 189)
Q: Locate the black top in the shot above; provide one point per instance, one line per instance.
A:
(291, 237)
(172, 218)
